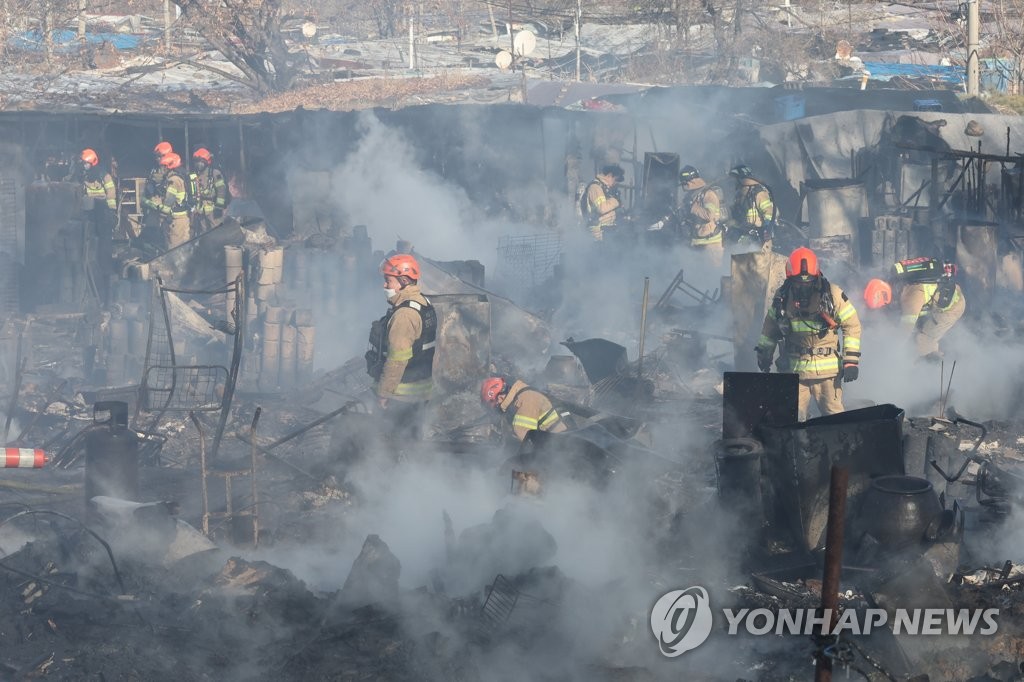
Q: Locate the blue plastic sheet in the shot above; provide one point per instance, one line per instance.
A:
(68, 40)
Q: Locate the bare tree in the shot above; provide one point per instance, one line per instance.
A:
(248, 34)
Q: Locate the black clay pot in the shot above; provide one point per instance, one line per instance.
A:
(897, 511)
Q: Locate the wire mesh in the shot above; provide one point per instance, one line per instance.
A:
(526, 261)
(184, 388)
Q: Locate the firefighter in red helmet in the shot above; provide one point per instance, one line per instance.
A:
(172, 205)
(804, 320)
(526, 408)
(100, 195)
(401, 354)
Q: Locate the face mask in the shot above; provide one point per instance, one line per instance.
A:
(391, 293)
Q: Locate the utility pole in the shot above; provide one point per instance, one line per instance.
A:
(81, 20)
(973, 65)
(579, 20)
(412, 38)
(167, 24)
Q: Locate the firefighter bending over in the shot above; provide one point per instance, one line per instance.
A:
(600, 202)
(401, 355)
(931, 301)
(804, 319)
(526, 408)
(701, 213)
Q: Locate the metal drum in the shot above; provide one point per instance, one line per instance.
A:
(738, 468)
(111, 454)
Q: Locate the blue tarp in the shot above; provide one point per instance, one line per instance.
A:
(881, 71)
(68, 40)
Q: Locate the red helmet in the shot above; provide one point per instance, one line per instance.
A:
(90, 157)
(491, 390)
(878, 293)
(171, 160)
(802, 262)
(163, 149)
(204, 154)
(401, 265)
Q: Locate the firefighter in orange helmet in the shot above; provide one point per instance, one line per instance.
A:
(100, 196)
(172, 205)
(804, 319)
(209, 189)
(401, 354)
(527, 408)
(931, 302)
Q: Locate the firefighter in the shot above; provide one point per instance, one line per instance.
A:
(600, 201)
(210, 191)
(152, 191)
(172, 204)
(101, 207)
(701, 213)
(401, 355)
(753, 207)
(931, 302)
(527, 408)
(804, 319)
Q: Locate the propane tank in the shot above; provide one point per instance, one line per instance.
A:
(111, 454)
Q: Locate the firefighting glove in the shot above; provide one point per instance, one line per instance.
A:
(850, 372)
(764, 360)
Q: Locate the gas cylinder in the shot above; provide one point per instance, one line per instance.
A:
(111, 453)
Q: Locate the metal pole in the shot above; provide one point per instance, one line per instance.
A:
(833, 561)
(494, 24)
(579, 20)
(643, 328)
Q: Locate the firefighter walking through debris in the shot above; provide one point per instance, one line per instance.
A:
(401, 354)
(526, 408)
(804, 320)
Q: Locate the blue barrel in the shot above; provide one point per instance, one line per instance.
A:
(111, 454)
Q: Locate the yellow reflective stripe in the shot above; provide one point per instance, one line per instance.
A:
(400, 355)
(851, 343)
(701, 241)
(806, 326)
(600, 200)
(929, 290)
(525, 422)
(911, 318)
(845, 312)
(108, 184)
(814, 363)
(111, 203)
(415, 388)
(94, 191)
(765, 205)
(550, 420)
(766, 342)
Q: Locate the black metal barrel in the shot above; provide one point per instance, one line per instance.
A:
(111, 454)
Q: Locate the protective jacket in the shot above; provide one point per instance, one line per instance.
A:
(807, 329)
(754, 204)
(530, 410)
(926, 298)
(703, 211)
(210, 190)
(596, 216)
(401, 355)
(99, 187)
